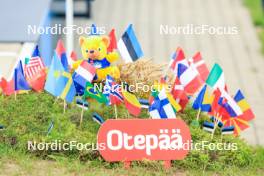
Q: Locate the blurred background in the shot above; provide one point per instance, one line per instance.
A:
(239, 54)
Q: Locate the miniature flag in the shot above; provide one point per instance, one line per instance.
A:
(112, 91)
(19, 78)
(8, 87)
(179, 94)
(113, 45)
(144, 103)
(85, 72)
(35, 72)
(91, 91)
(198, 62)
(177, 58)
(73, 59)
(216, 78)
(129, 46)
(82, 104)
(97, 118)
(208, 126)
(244, 106)
(161, 107)
(228, 130)
(231, 105)
(218, 121)
(131, 102)
(189, 78)
(203, 100)
(61, 52)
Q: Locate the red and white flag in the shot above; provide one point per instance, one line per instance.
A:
(177, 58)
(179, 94)
(85, 72)
(198, 62)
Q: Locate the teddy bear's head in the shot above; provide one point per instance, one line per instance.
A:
(94, 47)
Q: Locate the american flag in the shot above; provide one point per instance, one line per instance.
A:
(35, 65)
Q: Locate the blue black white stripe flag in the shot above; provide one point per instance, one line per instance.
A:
(144, 103)
(82, 104)
(208, 126)
(129, 46)
(97, 118)
(228, 130)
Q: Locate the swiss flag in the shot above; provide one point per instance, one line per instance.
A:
(113, 45)
(198, 62)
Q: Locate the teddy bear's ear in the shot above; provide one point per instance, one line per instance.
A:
(81, 40)
(106, 40)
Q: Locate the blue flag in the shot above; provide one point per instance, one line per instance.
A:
(20, 80)
(203, 100)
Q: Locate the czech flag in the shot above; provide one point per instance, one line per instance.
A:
(129, 46)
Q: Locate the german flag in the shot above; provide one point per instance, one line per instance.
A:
(131, 102)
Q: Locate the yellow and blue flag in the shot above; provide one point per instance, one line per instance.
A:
(203, 100)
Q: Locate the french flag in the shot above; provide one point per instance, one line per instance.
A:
(84, 73)
(129, 46)
(198, 62)
(189, 78)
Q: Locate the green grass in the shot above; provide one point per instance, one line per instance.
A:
(257, 14)
(29, 117)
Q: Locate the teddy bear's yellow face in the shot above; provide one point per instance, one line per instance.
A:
(94, 47)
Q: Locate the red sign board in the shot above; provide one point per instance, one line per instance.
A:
(137, 139)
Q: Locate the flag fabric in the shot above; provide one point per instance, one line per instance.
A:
(208, 126)
(203, 101)
(231, 105)
(144, 103)
(82, 104)
(113, 45)
(19, 78)
(129, 46)
(59, 82)
(217, 121)
(112, 91)
(85, 72)
(179, 94)
(227, 130)
(8, 87)
(35, 71)
(216, 78)
(177, 58)
(161, 107)
(61, 52)
(91, 91)
(97, 118)
(198, 62)
(131, 102)
(189, 78)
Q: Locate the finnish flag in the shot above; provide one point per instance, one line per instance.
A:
(129, 46)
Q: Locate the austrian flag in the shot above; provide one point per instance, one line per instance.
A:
(84, 73)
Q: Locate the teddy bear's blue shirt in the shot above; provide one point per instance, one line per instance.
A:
(103, 63)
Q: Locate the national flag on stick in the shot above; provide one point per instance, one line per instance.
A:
(20, 80)
(82, 104)
(208, 126)
(144, 103)
(84, 73)
(61, 52)
(8, 87)
(131, 102)
(97, 118)
(129, 46)
(161, 107)
(113, 45)
(112, 91)
(203, 101)
(228, 130)
(179, 94)
(198, 62)
(35, 71)
(177, 58)
(216, 78)
(189, 78)
(91, 91)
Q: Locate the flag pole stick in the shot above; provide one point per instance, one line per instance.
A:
(64, 106)
(81, 119)
(115, 111)
(215, 119)
(15, 95)
(198, 114)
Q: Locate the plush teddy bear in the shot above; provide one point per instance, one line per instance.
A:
(94, 50)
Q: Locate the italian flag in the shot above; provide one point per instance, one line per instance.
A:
(216, 78)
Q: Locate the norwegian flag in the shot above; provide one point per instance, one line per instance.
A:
(198, 62)
(189, 78)
(85, 72)
(179, 94)
(35, 65)
(113, 91)
(177, 58)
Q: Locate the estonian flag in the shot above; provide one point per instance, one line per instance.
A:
(208, 126)
(144, 103)
(129, 46)
(82, 104)
(97, 118)
(228, 130)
